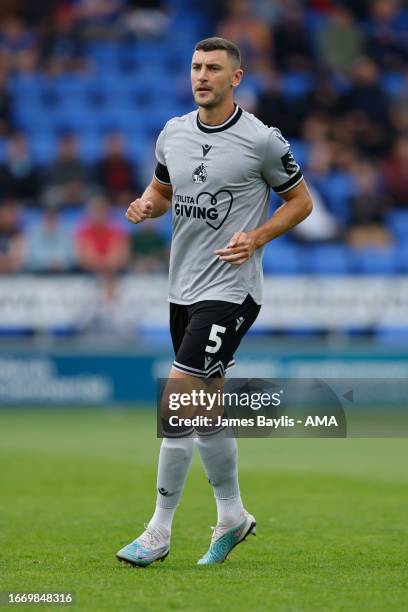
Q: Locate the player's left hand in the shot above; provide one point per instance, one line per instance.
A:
(240, 248)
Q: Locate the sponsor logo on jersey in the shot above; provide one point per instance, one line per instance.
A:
(206, 149)
(205, 206)
(199, 174)
(289, 163)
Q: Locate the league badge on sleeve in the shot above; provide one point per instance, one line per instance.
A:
(289, 163)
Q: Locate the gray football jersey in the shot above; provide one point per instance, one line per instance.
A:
(221, 178)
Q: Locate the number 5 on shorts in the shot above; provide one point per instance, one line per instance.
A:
(214, 337)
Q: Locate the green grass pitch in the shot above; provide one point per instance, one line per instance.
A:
(77, 485)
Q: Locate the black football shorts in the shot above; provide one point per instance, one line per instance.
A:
(206, 334)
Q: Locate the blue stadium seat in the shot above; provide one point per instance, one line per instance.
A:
(179, 55)
(94, 94)
(3, 149)
(29, 112)
(394, 83)
(43, 145)
(156, 82)
(105, 56)
(26, 85)
(158, 115)
(375, 260)
(281, 258)
(328, 259)
(147, 53)
(337, 190)
(107, 88)
(300, 151)
(397, 221)
(138, 147)
(402, 257)
(296, 84)
(70, 117)
(254, 82)
(90, 146)
(123, 118)
(163, 226)
(68, 88)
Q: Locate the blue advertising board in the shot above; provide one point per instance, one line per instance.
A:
(77, 377)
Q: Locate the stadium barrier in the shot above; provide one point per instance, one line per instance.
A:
(139, 303)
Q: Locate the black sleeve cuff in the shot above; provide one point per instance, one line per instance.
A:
(162, 174)
(292, 182)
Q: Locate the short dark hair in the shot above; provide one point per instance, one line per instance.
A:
(216, 43)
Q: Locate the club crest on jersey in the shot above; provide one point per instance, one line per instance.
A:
(200, 174)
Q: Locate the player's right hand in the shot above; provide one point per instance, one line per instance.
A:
(139, 210)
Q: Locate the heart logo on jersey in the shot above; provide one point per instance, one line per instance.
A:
(214, 202)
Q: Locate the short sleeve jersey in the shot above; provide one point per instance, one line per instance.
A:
(221, 178)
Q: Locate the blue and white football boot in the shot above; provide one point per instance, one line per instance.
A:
(152, 545)
(225, 538)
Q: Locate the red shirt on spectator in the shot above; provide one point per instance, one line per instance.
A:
(102, 245)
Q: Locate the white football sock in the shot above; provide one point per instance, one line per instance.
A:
(220, 459)
(174, 462)
(229, 511)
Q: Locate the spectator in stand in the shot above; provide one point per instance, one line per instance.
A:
(387, 40)
(351, 114)
(146, 18)
(251, 34)
(115, 174)
(359, 8)
(18, 44)
(18, 175)
(320, 226)
(49, 245)
(399, 113)
(274, 109)
(368, 208)
(322, 6)
(26, 62)
(149, 250)
(67, 177)
(324, 97)
(61, 44)
(15, 36)
(341, 40)
(102, 246)
(315, 133)
(99, 19)
(34, 12)
(11, 239)
(293, 48)
(216, 11)
(366, 93)
(366, 110)
(395, 170)
(5, 103)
